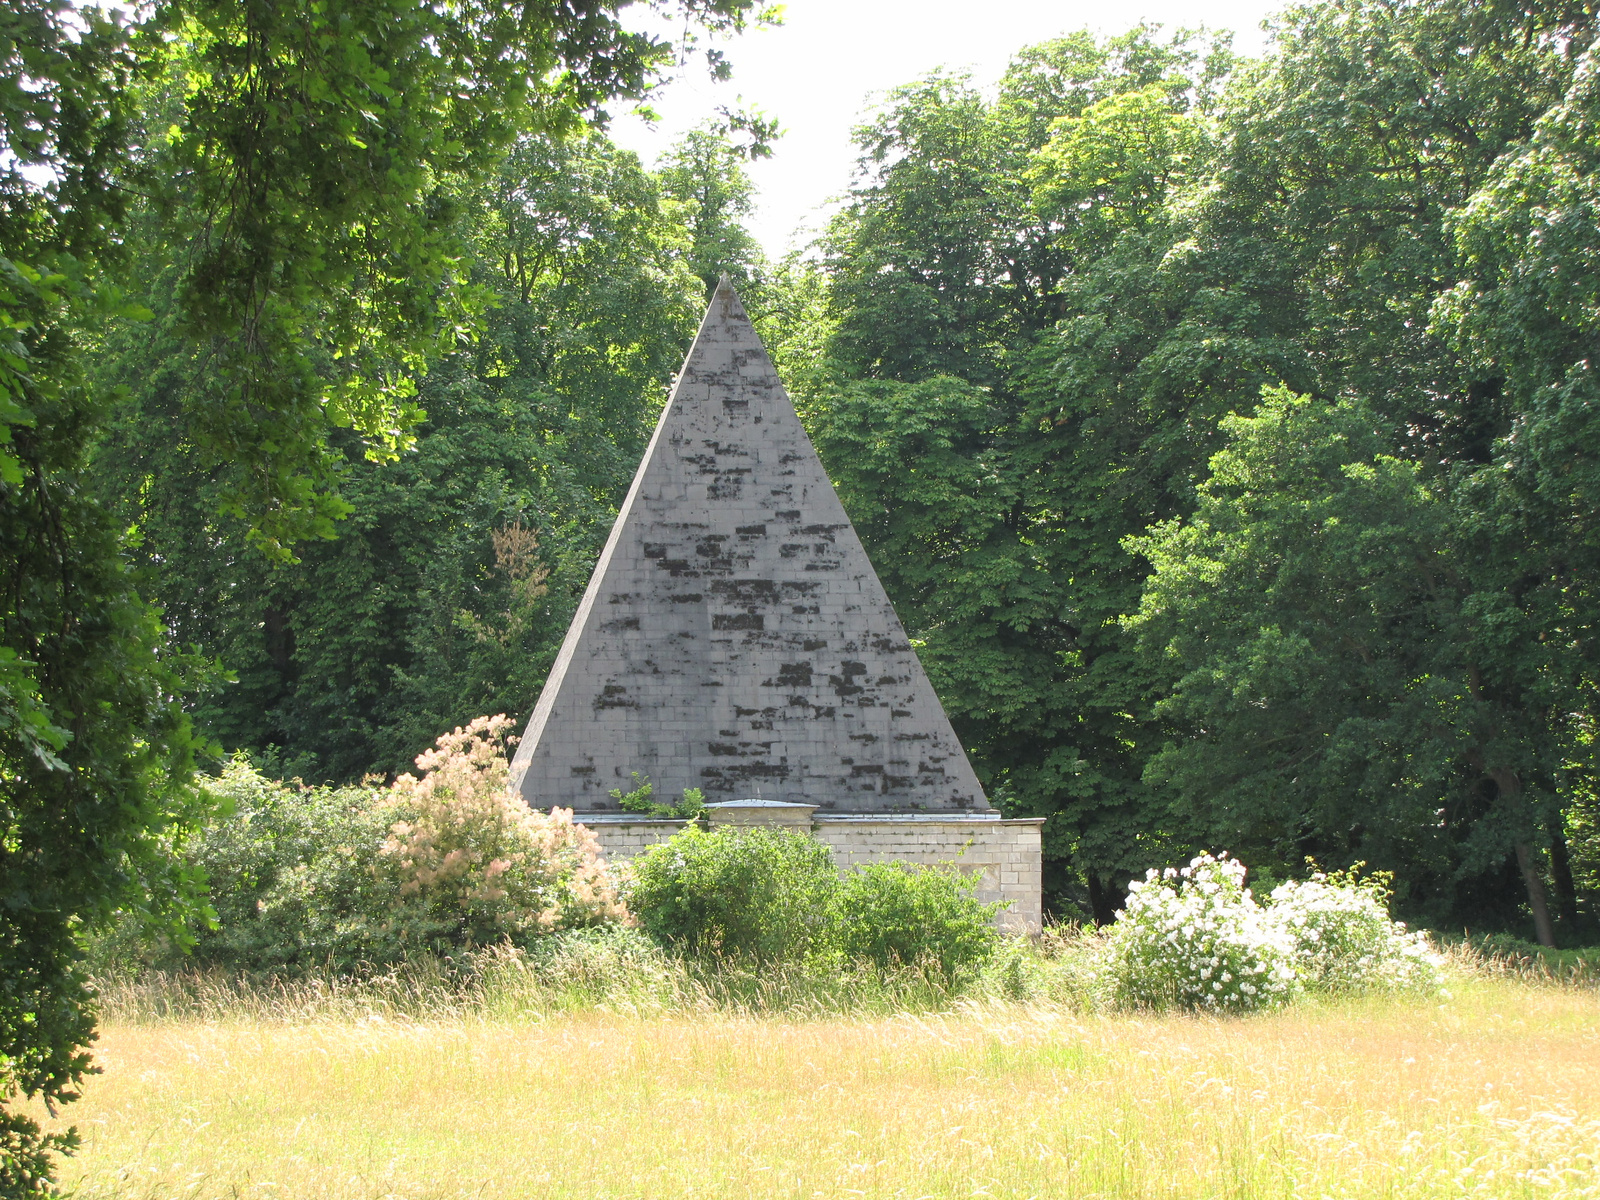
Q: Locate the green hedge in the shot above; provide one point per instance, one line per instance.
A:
(774, 896)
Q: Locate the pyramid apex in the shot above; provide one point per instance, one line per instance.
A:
(724, 305)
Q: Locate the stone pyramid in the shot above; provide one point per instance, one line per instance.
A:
(734, 636)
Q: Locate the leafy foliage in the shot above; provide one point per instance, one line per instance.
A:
(705, 174)
(314, 303)
(302, 167)
(294, 877)
(898, 914)
(452, 580)
(1321, 608)
(357, 879)
(1044, 308)
(758, 893)
(95, 750)
(638, 800)
(774, 896)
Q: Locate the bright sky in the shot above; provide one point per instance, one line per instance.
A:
(822, 69)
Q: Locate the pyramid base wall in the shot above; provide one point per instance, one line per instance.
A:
(1005, 855)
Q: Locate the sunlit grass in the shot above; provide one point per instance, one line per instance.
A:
(1495, 1091)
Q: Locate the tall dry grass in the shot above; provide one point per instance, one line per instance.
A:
(1494, 1092)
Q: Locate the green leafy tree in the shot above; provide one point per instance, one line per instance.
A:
(1316, 255)
(451, 582)
(312, 172)
(95, 753)
(1350, 674)
(705, 173)
(303, 176)
(984, 498)
(941, 263)
(1121, 250)
(1526, 316)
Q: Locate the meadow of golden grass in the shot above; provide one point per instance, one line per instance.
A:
(1493, 1092)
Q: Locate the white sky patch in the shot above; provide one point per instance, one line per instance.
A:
(822, 70)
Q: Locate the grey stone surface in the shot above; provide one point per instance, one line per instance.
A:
(761, 812)
(734, 636)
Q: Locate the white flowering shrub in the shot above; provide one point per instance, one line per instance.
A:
(1194, 937)
(1344, 940)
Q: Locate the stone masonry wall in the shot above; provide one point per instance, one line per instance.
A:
(626, 838)
(1006, 854)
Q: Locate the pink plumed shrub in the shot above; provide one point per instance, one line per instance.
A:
(473, 858)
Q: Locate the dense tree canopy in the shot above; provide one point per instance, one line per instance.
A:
(1225, 431)
(451, 580)
(1047, 303)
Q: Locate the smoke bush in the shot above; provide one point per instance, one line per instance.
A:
(307, 880)
(477, 860)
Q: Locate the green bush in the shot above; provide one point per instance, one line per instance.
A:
(639, 800)
(765, 894)
(295, 879)
(893, 914)
(775, 896)
(350, 880)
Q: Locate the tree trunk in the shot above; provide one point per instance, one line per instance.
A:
(1541, 911)
(1561, 875)
(1100, 902)
(1511, 792)
(279, 638)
